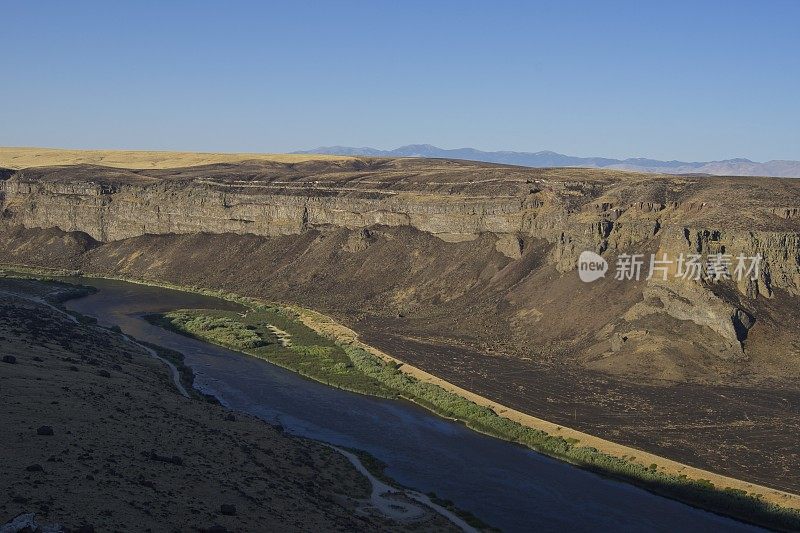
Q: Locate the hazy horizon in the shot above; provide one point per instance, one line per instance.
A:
(311, 149)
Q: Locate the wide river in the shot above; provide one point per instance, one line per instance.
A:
(507, 486)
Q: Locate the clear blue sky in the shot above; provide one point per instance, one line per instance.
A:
(692, 80)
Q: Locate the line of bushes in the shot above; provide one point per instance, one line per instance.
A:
(703, 493)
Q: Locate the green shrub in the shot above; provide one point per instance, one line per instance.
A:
(220, 330)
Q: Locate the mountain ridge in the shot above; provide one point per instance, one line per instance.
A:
(546, 158)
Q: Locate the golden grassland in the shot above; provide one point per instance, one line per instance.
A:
(16, 158)
(26, 157)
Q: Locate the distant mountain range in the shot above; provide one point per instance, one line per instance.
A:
(727, 167)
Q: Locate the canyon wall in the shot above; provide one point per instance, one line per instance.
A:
(568, 210)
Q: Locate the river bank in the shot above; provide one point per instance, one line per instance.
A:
(575, 447)
(99, 436)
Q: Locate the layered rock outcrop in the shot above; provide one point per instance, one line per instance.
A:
(571, 210)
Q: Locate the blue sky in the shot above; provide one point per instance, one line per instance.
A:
(672, 80)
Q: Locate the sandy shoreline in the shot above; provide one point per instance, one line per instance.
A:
(328, 327)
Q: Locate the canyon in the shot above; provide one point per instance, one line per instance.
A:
(467, 270)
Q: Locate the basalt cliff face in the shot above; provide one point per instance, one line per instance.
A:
(468, 270)
(481, 255)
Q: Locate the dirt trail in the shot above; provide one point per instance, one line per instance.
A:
(41, 301)
(176, 376)
(392, 507)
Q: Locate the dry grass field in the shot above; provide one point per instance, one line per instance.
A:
(24, 157)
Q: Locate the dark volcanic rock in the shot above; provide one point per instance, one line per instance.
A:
(175, 459)
(227, 509)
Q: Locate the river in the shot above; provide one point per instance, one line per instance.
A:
(505, 485)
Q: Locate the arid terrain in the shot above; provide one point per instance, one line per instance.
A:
(96, 434)
(42, 157)
(468, 270)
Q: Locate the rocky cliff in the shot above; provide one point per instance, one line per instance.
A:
(522, 221)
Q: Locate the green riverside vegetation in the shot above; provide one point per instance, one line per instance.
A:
(350, 367)
(309, 354)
